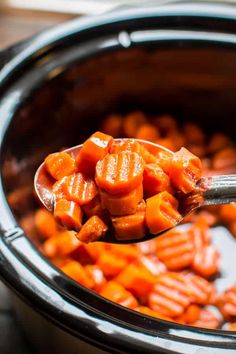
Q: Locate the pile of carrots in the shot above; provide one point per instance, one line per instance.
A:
(171, 277)
(120, 186)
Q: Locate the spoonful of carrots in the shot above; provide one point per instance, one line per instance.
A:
(126, 190)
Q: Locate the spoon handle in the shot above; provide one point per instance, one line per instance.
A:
(219, 189)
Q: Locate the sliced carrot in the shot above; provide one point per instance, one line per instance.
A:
(128, 252)
(68, 214)
(206, 261)
(94, 229)
(62, 244)
(231, 326)
(175, 249)
(94, 207)
(191, 314)
(80, 189)
(116, 292)
(137, 279)
(228, 213)
(224, 159)
(218, 142)
(152, 264)
(227, 303)
(129, 227)
(185, 170)
(60, 164)
(45, 223)
(132, 122)
(77, 272)
(170, 295)
(58, 189)
(147, 311)
(164, 159)
(155, 180)
(207, 319)
(167, 143)
(202, 291)
(93, 150)
(120, 173)
(122, 205)
(133, 146)
(148, 132)
(111, 264)
(161, 212)
(96, 275)
(112, 125)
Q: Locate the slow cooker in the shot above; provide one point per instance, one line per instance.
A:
(54, 88)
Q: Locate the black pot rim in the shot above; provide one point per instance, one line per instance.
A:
(27, 272)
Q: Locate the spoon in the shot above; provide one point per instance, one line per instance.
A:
(214, 190)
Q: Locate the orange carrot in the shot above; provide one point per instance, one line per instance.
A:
(202, 292)
(93, 150)
(185, 170)
(80, 189)
(147, 311)
(96, 275)
(166, 124)
(111, 264)
(60, 164)
(155, 180)
(45, 223)
(62, 244)
(120, 173)
(77, 272)
(116, 292)
(112, 125)
(228, 213)
(122, 205)
(147, 131)
(206, 261)
(92, 230)
(132, 122)
(161, 212)
(94, 207)
(129, 227)
(68, 214)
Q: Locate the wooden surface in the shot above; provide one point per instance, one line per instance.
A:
(16, 26)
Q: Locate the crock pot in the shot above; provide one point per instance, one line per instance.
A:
(55, 87)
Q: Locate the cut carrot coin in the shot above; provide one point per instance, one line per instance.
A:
(117, 293)
(62, 244)
(60, 164)
(80, 189)
(68, 214)
(93, 150)
(206, 261)
(148, 132)
(120, 173)
(155, 180)
(161, 212)
(94, 207)
(122, 205)
(77, 272)
(111, 264)
(185, 170)
(130, 226)
(58, 189)
(92, 230)
(45, 223)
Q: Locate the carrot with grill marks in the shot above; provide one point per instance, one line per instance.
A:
(120, 173)
(202, 291)
(92, 230)
(185, 170)
(60, 164)
(80, 189)
(93, 150)
(122, 205)
(161, 212)
(68, 214)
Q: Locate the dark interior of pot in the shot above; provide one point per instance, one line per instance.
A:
(192, 84)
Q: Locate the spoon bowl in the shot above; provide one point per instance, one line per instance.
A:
(215, 190)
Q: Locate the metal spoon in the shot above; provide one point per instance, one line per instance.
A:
(215, 190)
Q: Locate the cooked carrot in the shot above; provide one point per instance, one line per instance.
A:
(130, 227)
(170, 295)
(193, 133)
(60, 164)
(218, 142)
(191, 314)
(68, 214)
(132, 122)
(133, 146)
(93, 150)
(207, 319)
(77, 272)
(161, 212)
(228, 213)
(122, 205)
(58, 189)
(166, 124)
(177, 138)
(225, 160)
(80, 189)
(137, 279)
(128, 252)
(120, 173)
(231, 326)
(164, 159)
(111, 264)
(94, 207)
(167, 143)
(202, 292)
(155, 180)
(96, 275)
(62, 244)
(147, 311)
(152, 264)
(45, 223)
(175, 249)
(227, 303)
(117, 293)
(185, 170)
(147, 131)
(112, 125)
(92, 230)
(206, 261)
